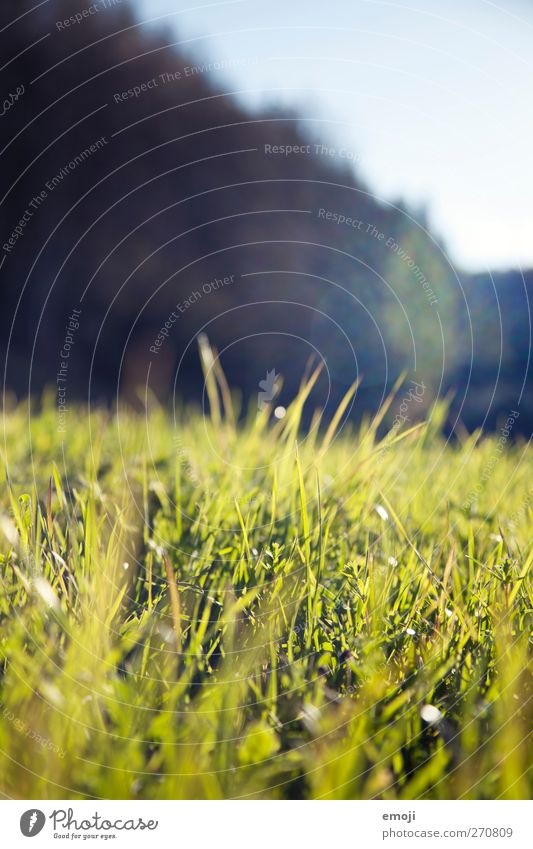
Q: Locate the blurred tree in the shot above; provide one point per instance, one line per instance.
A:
(153, 183)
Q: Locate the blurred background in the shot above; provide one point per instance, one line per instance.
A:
(346, 181)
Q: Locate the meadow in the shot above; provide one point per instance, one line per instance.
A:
(197, 607)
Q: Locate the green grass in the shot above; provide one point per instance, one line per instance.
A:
(290, 605)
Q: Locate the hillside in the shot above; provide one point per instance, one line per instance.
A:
(134, 184)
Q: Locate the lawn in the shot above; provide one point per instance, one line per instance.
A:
(192, 607)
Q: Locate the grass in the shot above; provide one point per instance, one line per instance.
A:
(192, 608)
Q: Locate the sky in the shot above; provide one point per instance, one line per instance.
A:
(432, 98)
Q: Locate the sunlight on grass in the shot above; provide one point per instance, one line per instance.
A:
(193, 608)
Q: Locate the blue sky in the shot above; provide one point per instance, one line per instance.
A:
(434, 96)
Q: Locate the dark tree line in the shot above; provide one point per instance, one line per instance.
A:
(133, 188)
